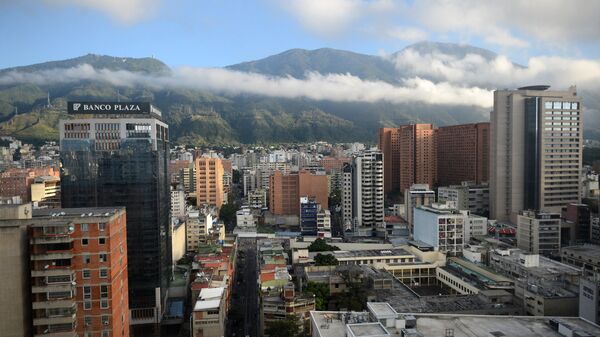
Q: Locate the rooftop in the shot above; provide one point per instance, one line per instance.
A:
(331, 324)
(341, 254)
(592, 251)
(204, 305)
(381, 310)
(367, 329)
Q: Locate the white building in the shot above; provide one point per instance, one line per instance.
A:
(538, 233)
(198, 225)
(324, 223)
(440, 226)
(362, 192)
(475, 198)
(178, 206)
(245, 218)
(417, 195)
(210, 310)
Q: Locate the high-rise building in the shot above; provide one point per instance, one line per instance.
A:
(440, 226)
(209, 181)
(308, 216)
(117, 154)
(463, 153)
(362, 193)
(536, 150)
(76, 264)
(285, 191)
(409, 153)
(539, 233)
(389, 145)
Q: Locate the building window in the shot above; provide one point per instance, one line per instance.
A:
(102, 226)
(87, 305)
(87, 320)
(84, 241)
(103, 257)
(103, 273)
(86, 273)
(103, 291)
(101, 241)
(103, 304)
(87, 292)
(105, 319)
(105, 333)
(84, 227)
(87, 259)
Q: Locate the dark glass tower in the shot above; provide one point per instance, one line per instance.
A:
(113, 156)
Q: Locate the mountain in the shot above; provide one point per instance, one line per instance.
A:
(201, 117)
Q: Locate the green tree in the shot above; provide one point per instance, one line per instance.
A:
(321, 292)
(326, 260)
(319, 245)
(227, 214)
(288, 327)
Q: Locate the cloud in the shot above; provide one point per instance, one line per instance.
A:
(498, 72)
(406, 33)
(324, 17)
(122, 11)
(332, 87)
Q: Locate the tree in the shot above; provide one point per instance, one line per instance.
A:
(321, 292)
(288, 327)
(326, 260)
(319, 245)
(227, 214)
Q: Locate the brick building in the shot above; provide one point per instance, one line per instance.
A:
(17, 182)
(285, 191)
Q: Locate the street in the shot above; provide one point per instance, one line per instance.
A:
(244, 316)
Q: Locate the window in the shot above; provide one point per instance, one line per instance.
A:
(84, 227)
(84, 241)
(103, 304)
(87, 259)
(86, 273)
(105, 333)
(103, 273)
(104, 291)
(87, 292)
(102, 226)
(87, 305)
(103, 257)
(105, 319)
(87, 320)
(101, 241)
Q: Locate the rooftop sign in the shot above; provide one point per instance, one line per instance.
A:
(108, 108)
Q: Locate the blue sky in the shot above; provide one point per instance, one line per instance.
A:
(213, 33)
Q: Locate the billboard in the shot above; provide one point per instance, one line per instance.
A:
(108, 108)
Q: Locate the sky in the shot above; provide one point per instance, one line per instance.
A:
(215, 33)
(553, 42)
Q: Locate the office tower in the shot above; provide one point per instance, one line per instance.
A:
(308, 216)
(467, 196)
(362, 194)
(285, 191)
(209, 181)
(389, 145)
(463, 153)
(116, 154)
(15, 290)
(536, 150)
(538, 233)
(418, 195)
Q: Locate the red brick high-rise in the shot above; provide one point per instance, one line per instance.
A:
(463, 153)
(389, 145)
(417, 155)
(285, 191)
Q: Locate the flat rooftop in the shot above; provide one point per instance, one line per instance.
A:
(331, 324)
(546, 265)
(367, 329)
(584, 250)
(366, 253)
(382, 310)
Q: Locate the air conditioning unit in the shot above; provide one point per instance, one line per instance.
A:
(105, 322)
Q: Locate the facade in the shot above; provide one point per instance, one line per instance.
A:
(245, 218)
(281, 303)
(467, 196)
(536, 150)
(198, 226)
(178, 205)
(15, 291)
(45, 192)
(577, 218)
(324, 223)
(17, 182)
(209, 181)
(285, 191)
(210, 310)
(112, 158)
(418, 154)
(441, 227)
(308, 216)
(389, 145)
(539, 233)
(589, 299)
(586, 257)
(257, 198)
(463, 153)
(362, 193)
(418, 195)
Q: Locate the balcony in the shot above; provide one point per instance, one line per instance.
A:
(53, 271)
(53, 304)
(57, 288)
(58, 255)
(72, 318)
(51, 239)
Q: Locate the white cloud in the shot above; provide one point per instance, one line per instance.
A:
(406, 33)
(333, 87)
(122, 11)
(499, 72)
(324, 17)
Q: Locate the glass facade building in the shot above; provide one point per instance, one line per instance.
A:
(122, 160)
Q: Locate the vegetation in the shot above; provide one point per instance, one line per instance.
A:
(326, 260)
(288, 327)
(321, 292)
(320, 245)
(227, 214)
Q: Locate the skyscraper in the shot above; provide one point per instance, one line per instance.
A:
(209, 181)
(389, 145)
(116, 154)
(536, 150)
(362, 192)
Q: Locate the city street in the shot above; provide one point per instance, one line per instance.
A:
(244, 317)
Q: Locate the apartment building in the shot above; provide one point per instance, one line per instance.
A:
(539, 233)
(209, 181)
(285, 191)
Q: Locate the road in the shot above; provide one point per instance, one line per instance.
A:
(244, 318)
